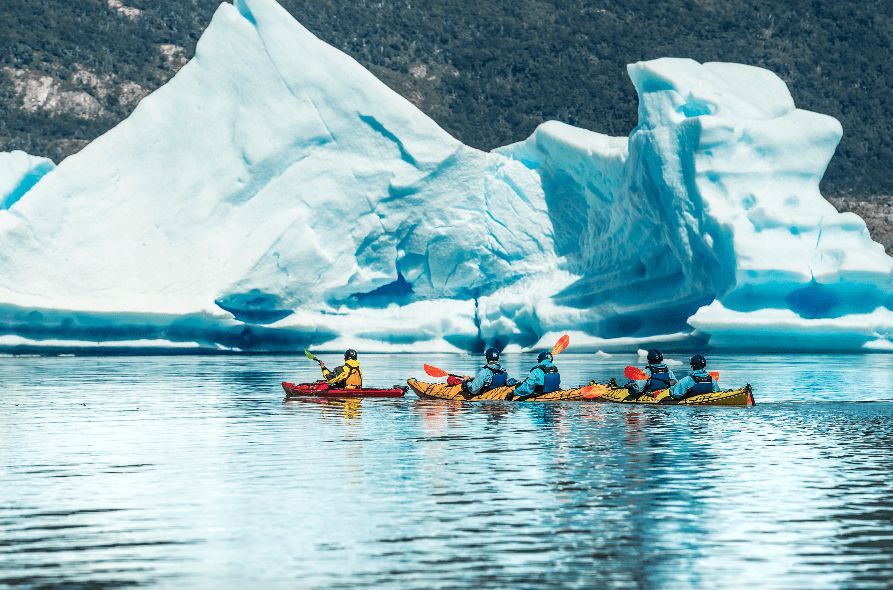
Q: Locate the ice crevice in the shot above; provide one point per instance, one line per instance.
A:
(19, 172)
(378, 127)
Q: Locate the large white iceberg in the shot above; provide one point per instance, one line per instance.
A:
(710, 215)
(275, 194)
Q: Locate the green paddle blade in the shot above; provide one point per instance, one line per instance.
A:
(309, 355)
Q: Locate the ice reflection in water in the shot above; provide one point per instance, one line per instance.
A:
(192, 470)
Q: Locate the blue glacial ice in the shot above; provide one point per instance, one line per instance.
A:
(275, 194)
(19, 172)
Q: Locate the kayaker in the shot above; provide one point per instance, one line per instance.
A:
(659, 376)
(346, 376)
(489, 376)
(698, 381)
(543, 378)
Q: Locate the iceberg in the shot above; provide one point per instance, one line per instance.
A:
(275, 194)
(710, 216)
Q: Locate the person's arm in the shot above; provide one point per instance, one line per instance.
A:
(672, 376)
(480, 381)
(334, 379)
(529, 384)
(682, 387)
(641, 383)
(715, 385)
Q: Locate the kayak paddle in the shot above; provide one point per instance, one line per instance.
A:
(589, 392)
(434, 371)
(715, 375)
(635, 374)
(310, 356)
(561, 345)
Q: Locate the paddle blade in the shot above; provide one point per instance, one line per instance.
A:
(561, 345)
(309, 355)
(434, 371)
(634, 374)
(715, 375)
(591, 392)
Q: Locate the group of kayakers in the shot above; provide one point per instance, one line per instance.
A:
(659, 376)
(544, 377)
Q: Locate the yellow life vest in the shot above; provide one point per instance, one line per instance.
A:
(354, 374)
(349, 377)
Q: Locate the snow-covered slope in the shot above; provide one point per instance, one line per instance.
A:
(275, 194)
(19, 172)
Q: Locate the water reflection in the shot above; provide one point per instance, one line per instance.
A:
(346, 408)
(193, 472)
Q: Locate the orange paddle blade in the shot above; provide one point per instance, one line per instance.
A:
(561, 345)
(634, 374)
(435, 372)
(715, 375)
(590, 392)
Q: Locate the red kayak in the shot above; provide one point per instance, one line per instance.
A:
(322, 389)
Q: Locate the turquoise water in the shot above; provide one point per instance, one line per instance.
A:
(193, 472)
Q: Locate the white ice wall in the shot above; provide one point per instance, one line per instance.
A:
(275, 194)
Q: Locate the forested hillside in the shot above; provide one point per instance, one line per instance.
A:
(487, 71)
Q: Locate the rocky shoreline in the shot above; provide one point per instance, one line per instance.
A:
(877, 213)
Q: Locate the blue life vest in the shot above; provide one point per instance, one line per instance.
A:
(551, 381)
(498, 378)
(660, 378)
(702, 385)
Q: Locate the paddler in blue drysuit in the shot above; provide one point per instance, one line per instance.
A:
(697, 382)
(346, 376)
(659, 376)
(543, 378)
(489, 376)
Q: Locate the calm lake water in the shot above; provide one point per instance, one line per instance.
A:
(193, 472)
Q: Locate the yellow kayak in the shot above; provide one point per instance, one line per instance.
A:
(599, 393)
(732, 397)
(454, 392)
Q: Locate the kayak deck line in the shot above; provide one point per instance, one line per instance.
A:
(293, 390)
(741, 397)
(454, 392)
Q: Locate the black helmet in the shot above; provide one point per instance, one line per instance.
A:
(543, 356)
(698, 362)
(655, 356)
(350, 354)
(491, 354)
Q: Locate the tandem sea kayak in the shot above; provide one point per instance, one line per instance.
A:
(732, 397)
(599, 393)
(323, 390)
(454, 392)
